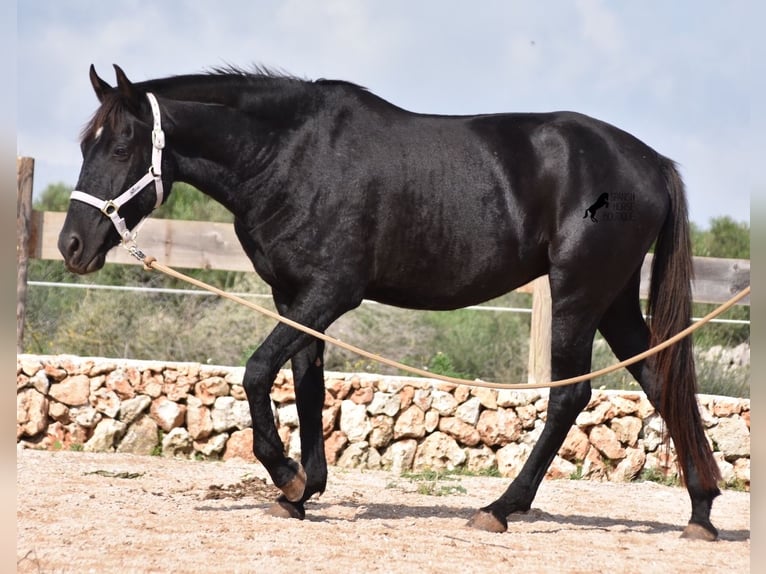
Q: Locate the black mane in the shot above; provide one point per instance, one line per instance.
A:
(226, 85)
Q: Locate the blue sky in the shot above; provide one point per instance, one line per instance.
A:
(679, 75)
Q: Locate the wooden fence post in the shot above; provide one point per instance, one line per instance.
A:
(25, 170)
(539, 369)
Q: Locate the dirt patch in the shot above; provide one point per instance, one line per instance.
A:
(85, 512)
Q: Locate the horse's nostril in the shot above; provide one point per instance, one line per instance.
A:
(70, 247)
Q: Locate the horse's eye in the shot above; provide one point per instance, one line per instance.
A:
(120, 152)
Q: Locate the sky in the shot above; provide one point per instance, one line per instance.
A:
(678, 75)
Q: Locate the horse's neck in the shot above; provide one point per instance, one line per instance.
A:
(217, 149)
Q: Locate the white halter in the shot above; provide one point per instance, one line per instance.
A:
(110, 207)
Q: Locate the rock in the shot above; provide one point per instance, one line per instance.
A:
(240, 412)
(177, 443)
(389, 385)
(653, 432)
(374, 459)
(527, 415)
(480, 459)
(209, 389)
(86, 417)
(31, 413)
(622, 406)
(330, 418)
(105, 436)
(443, 402)
(177, 390)
(355, 455)
(106, 402)
(294, 445)
(516, 398)
(576, 445)
(240, 445)
(362, 396)
(338, 388)
(167, 414)
(742, 470)
(561, 468)
(726, 468)
(54, 373)
(228, 413)
(406, 396)
(21, 381)
(487, 397)
(499, 428)
(599, 415)
(39, 381)
(431, 422)
(460, 430)
(199, 422)
(726, 407)
(401, 455)
(59, 413)
(732, 437)
(382, 433)
(119, 382)
(72, 391)
(354, 421)
(438, 452)
(29, 366)
(410, 424)
(334, 445)
(630, 466)
(468, 411)
(627, 429)
(594, 467)
(287, 415)
(511, 458)
(606, 441)
(151, 384)
(211, 447)
(384, 404)
(422, 399)
(130, 409)
(141, 436)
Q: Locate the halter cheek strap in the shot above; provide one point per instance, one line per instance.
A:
(111, 207)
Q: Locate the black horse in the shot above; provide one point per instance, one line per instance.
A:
(339, 195)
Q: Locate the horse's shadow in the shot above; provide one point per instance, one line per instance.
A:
(317, 511)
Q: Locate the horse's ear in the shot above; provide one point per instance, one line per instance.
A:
(130, 94)
(99, 86)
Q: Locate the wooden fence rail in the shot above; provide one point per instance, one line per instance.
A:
(207, 245)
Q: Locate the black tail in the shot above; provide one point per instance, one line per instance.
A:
(670, 307)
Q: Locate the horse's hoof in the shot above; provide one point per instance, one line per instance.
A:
(696, 531)
(296, 486)
(486, 521)
(286, 509)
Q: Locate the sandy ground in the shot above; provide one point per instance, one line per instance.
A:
(84, 512)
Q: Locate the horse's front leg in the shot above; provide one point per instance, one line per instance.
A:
(308, 377)
(262, 368)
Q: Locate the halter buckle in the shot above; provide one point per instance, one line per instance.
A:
(109, 208)
(158, 138)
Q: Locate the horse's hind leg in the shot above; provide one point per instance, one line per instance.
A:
(625, 330)
(571, 345)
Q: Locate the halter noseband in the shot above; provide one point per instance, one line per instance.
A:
(111, 207)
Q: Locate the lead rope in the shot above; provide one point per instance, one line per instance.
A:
(152, 263)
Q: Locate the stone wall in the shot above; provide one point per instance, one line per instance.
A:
(373, 421)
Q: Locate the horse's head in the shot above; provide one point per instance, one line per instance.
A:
(123, 174)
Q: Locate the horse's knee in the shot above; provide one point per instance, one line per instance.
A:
(571, 399)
